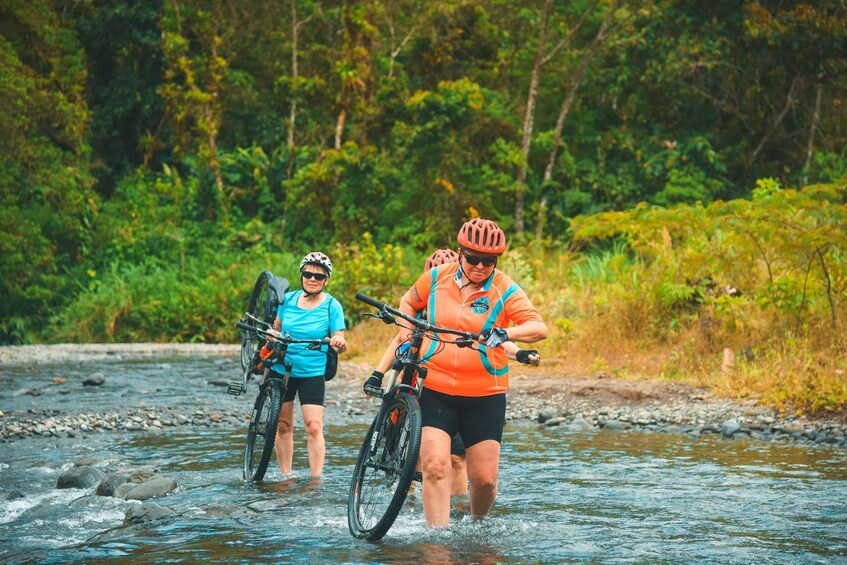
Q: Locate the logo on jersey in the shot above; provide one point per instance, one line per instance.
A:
(480, 305)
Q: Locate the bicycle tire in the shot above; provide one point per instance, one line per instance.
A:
(261, 305)
(262, 430)
(384, 471)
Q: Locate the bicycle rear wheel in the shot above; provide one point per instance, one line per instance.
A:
(263, 301)
(385, 469)
(262, 430)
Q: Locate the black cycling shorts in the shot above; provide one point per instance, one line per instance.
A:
(457, 447)
(476, 418)
(311, 390)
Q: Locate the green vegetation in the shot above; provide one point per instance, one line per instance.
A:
(673, 174)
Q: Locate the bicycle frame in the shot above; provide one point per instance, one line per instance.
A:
(279, 346)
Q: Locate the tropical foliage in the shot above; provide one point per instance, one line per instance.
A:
(155, 155)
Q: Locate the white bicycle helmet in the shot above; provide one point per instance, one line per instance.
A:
(317, 258)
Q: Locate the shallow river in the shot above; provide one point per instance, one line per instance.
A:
(565, 496)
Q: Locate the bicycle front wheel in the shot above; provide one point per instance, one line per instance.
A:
(385, 469)
(262, 430)
(261, 306)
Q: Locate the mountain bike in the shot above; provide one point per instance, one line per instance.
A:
(258, 354)
(386, 464)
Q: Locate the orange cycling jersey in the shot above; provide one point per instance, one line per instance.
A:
(461, 371)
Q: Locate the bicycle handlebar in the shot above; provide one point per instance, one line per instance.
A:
(282, 338)
(422, 324)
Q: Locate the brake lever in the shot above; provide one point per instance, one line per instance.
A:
(386, 317)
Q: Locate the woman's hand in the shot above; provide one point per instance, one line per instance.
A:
(338, 342)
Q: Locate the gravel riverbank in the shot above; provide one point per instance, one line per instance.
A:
(539, 397)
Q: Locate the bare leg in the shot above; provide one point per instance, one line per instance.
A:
(284, 441)
(483, 463)
(435, 455)
(313, 420)
(459, 475)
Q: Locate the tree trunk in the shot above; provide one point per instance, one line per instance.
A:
(566, 108)
(789, 102)
(812, 128)
(339, 127)
(292, 115)
(529, 118)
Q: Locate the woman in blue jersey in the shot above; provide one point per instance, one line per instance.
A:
(311, 313)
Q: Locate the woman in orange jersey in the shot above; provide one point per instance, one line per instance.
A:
(465, 389)
(459, 475)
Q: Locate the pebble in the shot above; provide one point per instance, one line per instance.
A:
(697, 416)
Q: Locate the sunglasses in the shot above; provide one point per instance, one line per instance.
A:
(310, 275)
(474, 261)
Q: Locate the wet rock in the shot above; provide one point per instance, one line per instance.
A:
(97, 379)
(79, 477)
(87, 461)
(122, 490)
(730, 427)
(615, 425)
(142, 474)
(109, 483)
(230, 511)
(147, 512)
(546, 414)
(157, 486)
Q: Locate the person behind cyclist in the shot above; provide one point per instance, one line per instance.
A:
(459, 475)
(311, 313)
(465, 389)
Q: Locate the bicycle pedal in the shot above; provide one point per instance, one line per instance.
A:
(417, 477)
(236, 388)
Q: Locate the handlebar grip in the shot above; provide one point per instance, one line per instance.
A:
(247, 327)
(368, 300)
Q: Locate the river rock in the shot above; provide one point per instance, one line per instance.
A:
(123, 489)
(96, 379)
(547, 414)
(79, 477)
(615, 425)
(157, 486)
(146, 512)
(142, 474)
(730, 427)
(109, 484)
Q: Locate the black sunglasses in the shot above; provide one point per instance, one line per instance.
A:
(474, 261)
(310, 275)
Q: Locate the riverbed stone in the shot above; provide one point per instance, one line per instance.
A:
(547, 414)
(97, 379)
(157, 486)
(147, 512)
(110, 483)
(142, 474)
(730, 427)
(79, 477)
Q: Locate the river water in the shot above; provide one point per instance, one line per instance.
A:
(564, 496)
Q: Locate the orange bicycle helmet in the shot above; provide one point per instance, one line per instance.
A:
(481, 235)
(441, 256)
